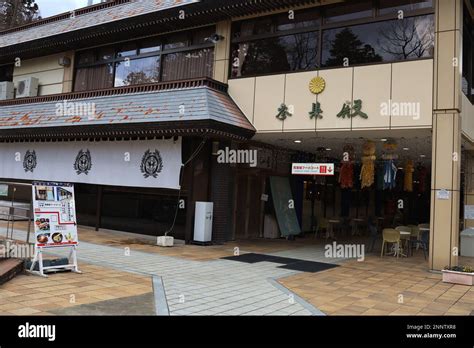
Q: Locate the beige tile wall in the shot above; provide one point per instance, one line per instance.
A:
(260, 97)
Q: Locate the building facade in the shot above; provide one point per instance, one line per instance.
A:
(137, 101)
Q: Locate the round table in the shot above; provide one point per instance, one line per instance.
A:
(406, 236)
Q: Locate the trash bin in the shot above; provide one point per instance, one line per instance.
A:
(467, 242)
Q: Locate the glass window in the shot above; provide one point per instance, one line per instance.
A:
(379, 42)
(127, 50)
(149, 46)
(302, 19)
(146, 61)
(277, 54)
(468, 57)
(280, 23)
(106, 53)
(393, 6)
(6, 73)
(348, 12)
(177, 40)
(187, 65)
(200, 35)
(86, 57)
(137, 71)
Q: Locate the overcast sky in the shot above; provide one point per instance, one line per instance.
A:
(52, 7)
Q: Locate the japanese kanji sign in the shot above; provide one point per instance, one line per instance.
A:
(320, 169)
(355, 110)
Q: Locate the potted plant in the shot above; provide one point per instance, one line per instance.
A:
(463, 275)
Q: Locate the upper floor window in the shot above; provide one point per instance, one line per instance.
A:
(387, 7)
(6, 72)
(276, 44)
(386, 41)
(468, 56)
(349, 11)
(177, 56)
(330, 36)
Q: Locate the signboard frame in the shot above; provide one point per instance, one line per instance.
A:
(54, 217)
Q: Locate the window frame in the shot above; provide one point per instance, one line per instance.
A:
(321, 27)
(161, 39)
(12, 70)
(468, 34)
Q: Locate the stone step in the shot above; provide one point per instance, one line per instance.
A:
(9, 268)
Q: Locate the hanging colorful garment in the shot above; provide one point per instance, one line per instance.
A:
(390, 175)
(390, 169)
(346, 172)
(408, 182)
(346, 175)
(368, 166)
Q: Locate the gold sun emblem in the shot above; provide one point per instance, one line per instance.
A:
(317, 85)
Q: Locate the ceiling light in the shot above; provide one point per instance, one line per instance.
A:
(298, 141)
(422, 156)
(406, 149)
(383, 139)
(328, 149)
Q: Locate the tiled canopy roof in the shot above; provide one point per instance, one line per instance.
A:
(178, 107)
(90, 19)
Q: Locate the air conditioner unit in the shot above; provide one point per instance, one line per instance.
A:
(6, 90)
(27, 87)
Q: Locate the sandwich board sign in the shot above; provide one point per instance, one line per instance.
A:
(54, 221)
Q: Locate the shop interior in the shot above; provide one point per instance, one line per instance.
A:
(382, 181)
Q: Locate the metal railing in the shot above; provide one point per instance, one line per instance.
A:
(13, 213)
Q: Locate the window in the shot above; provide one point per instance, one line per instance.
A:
(187, 65)
(276, 54)
(324, 36)
(149, 46)
(6, 72)
(348, 12)
(393, 6)
(385, 41)
(468, 57)
(177, 40)
(276, 44)
(137, 71)
(178, 56)
(272, 25)
(95, 77)
(106, 53)
(127, 50)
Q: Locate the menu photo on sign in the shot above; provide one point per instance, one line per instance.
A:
(54, 214)
(322, 169)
